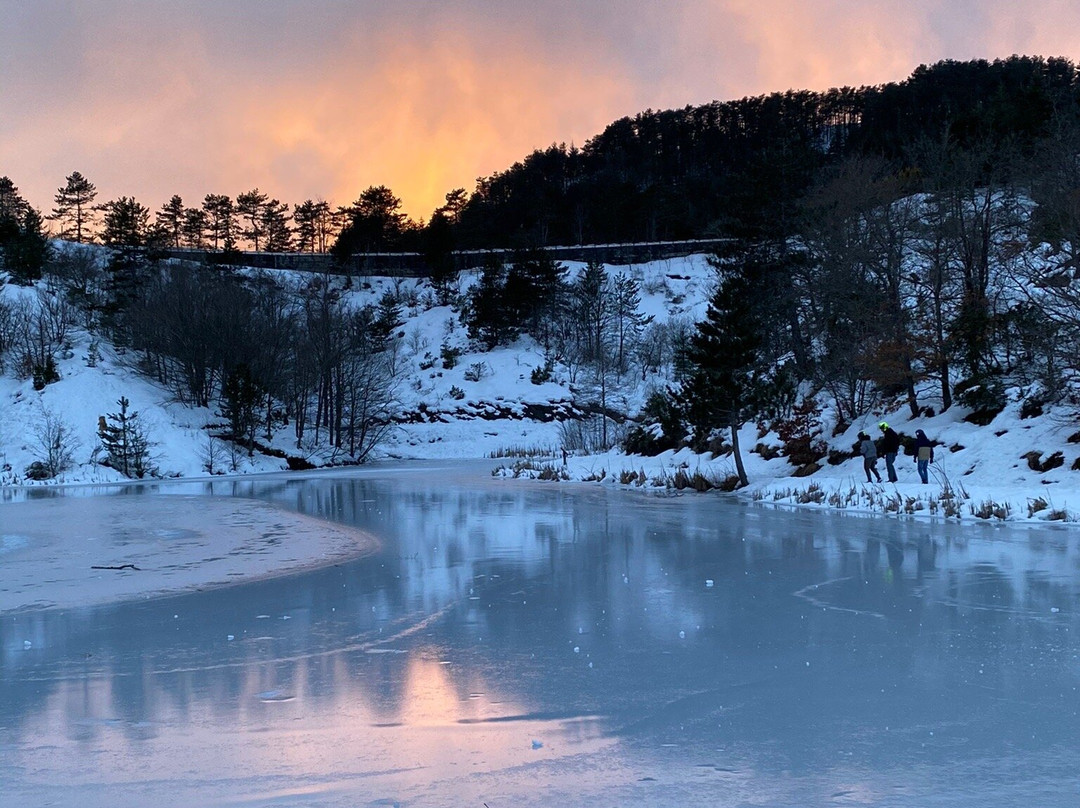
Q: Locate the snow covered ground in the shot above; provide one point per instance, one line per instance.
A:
(981, 472)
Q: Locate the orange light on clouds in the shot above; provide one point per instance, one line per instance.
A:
(322, 99)
(425, 120)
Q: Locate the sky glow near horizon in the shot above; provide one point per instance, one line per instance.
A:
(323, 98)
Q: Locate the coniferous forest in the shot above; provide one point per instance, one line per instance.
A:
(914, 236)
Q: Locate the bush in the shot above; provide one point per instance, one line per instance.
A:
(449, 356)
(476, 371)
(836, 457)
(660, 430)
(644, 440)
(1031, 408)
(38, 471)
(983, 395)
(729, 483)
(767, 452)
(697, 481)
(456, 393)
(800, 432)
(541, 374)
(45, 373)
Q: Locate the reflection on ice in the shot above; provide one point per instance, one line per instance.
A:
(530, 645)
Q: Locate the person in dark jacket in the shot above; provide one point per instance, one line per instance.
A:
(890, 445)
(924, 455)
(869, 456)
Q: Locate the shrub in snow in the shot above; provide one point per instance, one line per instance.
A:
(984, 395)
(45, 373)
(476, 371)
(1031, 408)
(541, 373)
(93, 354)
(213, 455)
(661, 429)
(800, 434)
(449, 356)
(836, 457)
(768, 452)
(989, 509)
(456, 393)
(1036, 505)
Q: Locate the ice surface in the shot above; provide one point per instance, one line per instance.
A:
(834, 661)
(73, 551)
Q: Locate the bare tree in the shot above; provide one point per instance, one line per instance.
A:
(54, 446)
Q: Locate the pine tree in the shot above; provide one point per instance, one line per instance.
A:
(75, 207)
(241, 396)
(729, 373)
(12, 210)
(127, 223)
(630, 322)
(220, 221)
(275, 227)
(486, 317)
(27, 253)
(194, 228)
(375, 223)
(171, 220)
(252, 206)
(438, 243)
(304, 217)
(124, 441)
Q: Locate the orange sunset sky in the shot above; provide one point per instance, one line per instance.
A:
(323, 98)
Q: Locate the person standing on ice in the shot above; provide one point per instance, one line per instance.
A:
(869, 456)
(890, 445)
(924, 455)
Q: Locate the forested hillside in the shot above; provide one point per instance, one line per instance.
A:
(737, 167)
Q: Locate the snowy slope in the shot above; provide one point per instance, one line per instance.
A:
(502, 413)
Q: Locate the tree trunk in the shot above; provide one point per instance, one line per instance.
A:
(739, 469)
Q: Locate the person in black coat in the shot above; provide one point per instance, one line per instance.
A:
(890, 445)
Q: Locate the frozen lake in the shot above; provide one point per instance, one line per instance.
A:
(527, 644)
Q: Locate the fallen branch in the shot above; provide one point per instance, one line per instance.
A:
(121, 567)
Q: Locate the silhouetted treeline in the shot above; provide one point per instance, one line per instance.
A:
(716, 169)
